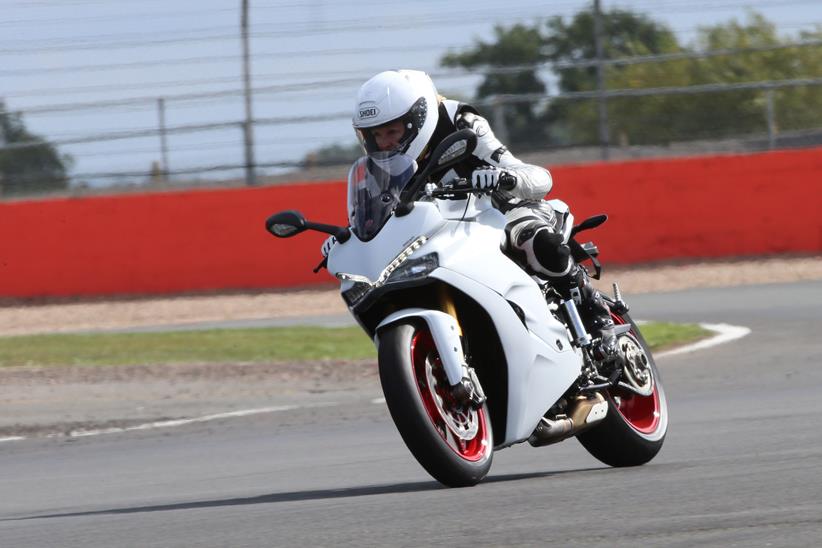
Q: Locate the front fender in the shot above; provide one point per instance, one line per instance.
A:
(445, 332)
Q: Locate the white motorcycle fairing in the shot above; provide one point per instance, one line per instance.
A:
(466, 237)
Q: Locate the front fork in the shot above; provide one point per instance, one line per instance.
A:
(467, 390)
(581, 336)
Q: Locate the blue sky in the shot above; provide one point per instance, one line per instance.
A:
(80, 52)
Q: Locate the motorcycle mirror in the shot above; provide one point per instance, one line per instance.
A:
(285, 223)
(288, 223)
(451, 150)
(589, 223)
(454, 148)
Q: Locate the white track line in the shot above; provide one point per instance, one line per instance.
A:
(724, 334)
(175, 422)
(181, 422)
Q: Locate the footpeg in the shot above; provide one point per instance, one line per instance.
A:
(606, 350)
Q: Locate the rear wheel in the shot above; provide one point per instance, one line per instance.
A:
(454, 443)
(634, 429)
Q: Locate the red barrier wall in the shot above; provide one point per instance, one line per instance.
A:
(700, 207)
(215, 240)
(162, 242)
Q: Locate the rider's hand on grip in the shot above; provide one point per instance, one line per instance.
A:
(486, 178)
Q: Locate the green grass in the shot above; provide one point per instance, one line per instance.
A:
(231, 345)
(660, 335)
(216, 346)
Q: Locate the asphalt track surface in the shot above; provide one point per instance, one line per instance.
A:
(742, 464)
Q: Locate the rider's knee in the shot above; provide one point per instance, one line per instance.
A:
(551, 252)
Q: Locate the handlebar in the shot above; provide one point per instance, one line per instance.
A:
(323, 264)
(453, 192)
(457, 187)
(463, 187)
(507, 181)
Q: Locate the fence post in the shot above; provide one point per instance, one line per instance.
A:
(161, 113)
(604, 138)
(500, 126)
(248, 125)
(771, 117)
(2, 144)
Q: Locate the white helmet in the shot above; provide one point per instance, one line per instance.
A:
(407, 95)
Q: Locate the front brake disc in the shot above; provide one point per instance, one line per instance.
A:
(462, 420)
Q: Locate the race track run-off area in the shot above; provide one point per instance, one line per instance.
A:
(722, 333)
(740, 464)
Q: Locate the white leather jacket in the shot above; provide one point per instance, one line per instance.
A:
(533, 182)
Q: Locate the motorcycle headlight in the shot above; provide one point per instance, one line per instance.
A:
(415, 268)
(356, 292)
(408, 269)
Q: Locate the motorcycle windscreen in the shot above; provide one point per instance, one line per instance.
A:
(374, 186)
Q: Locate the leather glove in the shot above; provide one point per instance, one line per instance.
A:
(490, 178)
(330, 242)
(486, 178)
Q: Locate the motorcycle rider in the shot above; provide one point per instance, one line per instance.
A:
(401, 110)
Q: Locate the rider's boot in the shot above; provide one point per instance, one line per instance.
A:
(550, 257)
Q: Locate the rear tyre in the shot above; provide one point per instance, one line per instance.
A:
(634, 429)
(452, 442)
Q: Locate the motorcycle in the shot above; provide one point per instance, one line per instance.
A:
(474, 353)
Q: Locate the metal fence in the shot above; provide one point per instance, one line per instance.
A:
(606, 124)
(780, 124)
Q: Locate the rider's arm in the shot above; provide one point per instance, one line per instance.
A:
(533, 182)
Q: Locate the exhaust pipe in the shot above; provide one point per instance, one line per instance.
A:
(584, 412)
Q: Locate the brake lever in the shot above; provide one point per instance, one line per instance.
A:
(323, 264)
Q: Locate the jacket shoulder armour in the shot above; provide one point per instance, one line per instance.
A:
(457, 112)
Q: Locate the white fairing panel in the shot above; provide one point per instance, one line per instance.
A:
(542, 363)
(538, 374)
(444, 331)
(370, 258)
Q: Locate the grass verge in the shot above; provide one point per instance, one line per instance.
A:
(233, 345)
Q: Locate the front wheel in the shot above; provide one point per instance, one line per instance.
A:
(452, 442)
(634, 429)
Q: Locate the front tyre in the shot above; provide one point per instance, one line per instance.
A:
(634, 429)
(452, 442)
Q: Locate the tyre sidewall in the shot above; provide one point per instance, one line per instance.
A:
(615, 441)
(405, 404)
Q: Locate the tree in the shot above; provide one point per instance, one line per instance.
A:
(557, 41)
(731, 113)
(32, 169)
(648, 119)
(518, 45)
(625, 34)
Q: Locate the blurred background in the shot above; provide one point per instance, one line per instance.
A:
(101, 96)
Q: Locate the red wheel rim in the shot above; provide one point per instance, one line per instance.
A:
(642, 413)
(474, 449)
